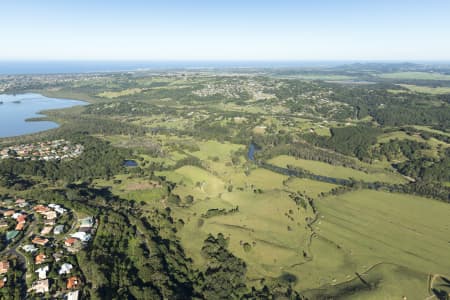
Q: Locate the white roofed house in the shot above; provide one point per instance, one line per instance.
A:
(82, 236)
(65, 269)
(29, 248)
(58, 208)
(16, 215)
(42, 272)
(72, 295)
(58, 229)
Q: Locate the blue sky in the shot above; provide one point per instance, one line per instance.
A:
(225, 30)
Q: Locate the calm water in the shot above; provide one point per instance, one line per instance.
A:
(13, 114)
(130, 163)
(52, 67)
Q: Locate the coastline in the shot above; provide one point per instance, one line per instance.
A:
(35, 120)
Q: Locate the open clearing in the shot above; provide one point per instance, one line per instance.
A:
(270, 221)
(324, 169)
(358, 230)
(311, 188)
(415, 75)
(127, 92)
(130, 188)
(427, 89)
(262, 221)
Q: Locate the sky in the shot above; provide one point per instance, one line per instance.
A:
(225, 30)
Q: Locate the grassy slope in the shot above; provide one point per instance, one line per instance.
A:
(360, 229)
(321, 168)
(261, 220)
(309, 187)
(415, 75)
(427, 89)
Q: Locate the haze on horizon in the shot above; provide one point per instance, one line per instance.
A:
(225, 30)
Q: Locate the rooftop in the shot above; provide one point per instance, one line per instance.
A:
(11, 234)
(39, 241)
(4, 266)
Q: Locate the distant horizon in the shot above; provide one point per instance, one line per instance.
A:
(177, 30)
(25, 67)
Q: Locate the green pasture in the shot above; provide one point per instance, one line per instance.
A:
(359, 230)
(415, 75)
(311, 188)
(427, 89)
(324, 169)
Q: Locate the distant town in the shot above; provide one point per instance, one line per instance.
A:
(49, 150)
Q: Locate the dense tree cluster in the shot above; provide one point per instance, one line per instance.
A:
(224, 277)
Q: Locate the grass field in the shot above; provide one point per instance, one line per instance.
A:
(324, 169)
(384, 281)
(277, 241)
(415, 75)
(211, 149)
(271, 222)
(317, 77)
(127, 92)
(426, 128)
(350, 233)
(137, 189)
(309, 187)
(358, 230)
(427, 89)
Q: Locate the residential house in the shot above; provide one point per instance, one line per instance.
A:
(46, 230)
(70, 242)
(82, 236)
(20, 201)
(72, 295)
(16, 215)
(21, 218)
(8, 213)
(58, 229)
(2, 282)
(41, 209)
(40, 258)
(42, 272)
(50, 215)
(19, 226)
(39, 241)
(10, 235)
(65, 268)
(4, 266)
(40, 286)
(73, 282)
(29, 248)
(49, 223)
(58, 208)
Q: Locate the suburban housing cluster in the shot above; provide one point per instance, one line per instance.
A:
(41, 241)
(234, 90)
(49, 150)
